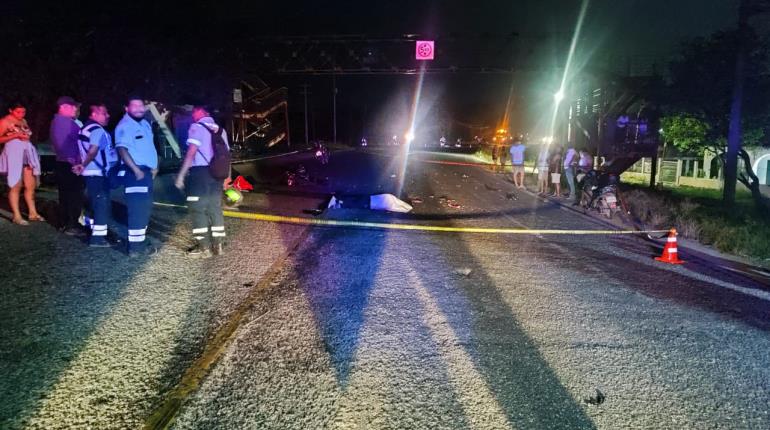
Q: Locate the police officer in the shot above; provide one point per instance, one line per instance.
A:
(204, 192)
(98, 155)
(134, 141)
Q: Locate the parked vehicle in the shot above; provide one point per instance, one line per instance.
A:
(600, 193)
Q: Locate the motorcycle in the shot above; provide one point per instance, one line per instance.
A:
(322, 153)
(599, 192)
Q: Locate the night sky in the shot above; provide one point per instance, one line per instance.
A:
(119, 47)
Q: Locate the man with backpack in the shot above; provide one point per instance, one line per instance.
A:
(98, 154)
(208, 162)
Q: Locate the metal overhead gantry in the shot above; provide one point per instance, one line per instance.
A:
(357, 54)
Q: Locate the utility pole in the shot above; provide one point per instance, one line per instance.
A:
(734, 133)
(304, 92)
(334, 105)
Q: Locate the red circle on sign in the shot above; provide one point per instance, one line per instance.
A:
(424, 49)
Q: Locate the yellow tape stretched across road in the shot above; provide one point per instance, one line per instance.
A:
(418, 227)
(411, 227)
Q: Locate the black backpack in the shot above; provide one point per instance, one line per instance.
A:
(219, 165)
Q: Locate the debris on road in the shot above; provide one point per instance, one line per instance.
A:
(491, 188)
(415, 200)
(241, 184)
(334, 203)
(464, 271)
(597, 398)
(388, 202)
(511, 196)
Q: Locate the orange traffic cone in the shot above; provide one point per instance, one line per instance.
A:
(670, 251)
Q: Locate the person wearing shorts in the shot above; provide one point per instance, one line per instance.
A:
(542, 170)
(517, 163)
(554, 168)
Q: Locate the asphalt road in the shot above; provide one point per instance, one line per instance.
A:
(353, 328)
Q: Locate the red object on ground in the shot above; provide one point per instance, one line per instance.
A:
(241, 184)
(670, 251)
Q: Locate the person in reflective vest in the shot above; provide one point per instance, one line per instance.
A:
(204, 191)
(98, 154)
(134, 141)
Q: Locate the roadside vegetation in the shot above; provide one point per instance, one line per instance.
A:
(699, 214)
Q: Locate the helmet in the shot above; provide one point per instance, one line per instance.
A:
(233, 196)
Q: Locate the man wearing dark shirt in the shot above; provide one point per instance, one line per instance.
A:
(64, 139)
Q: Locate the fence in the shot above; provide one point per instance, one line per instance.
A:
(691, 172)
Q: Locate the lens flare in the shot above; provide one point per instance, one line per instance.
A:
(561, 93)
(410, 134)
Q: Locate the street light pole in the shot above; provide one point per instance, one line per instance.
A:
(304, 92)
(734, 133)
(334, 106)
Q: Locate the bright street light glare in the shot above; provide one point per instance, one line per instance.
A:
(559, 96)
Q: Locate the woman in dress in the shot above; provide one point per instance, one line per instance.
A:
(20, 162)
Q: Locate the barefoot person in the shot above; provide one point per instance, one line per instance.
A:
(20, 162)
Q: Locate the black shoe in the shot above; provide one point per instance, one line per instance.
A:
(114, 239)
(218, 249)
(74, 232)
(142, 252)
(199, 251)
(99, 244)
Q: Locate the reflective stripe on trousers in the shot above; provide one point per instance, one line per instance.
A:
(204, 200)
(138, 196)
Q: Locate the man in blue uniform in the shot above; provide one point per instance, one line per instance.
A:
(134, 141)
(204, 191)
(98, 155)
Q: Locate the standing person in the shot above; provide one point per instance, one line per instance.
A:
(134, 141)
(20, 162)
(501, 151)
(517, 163)
(64, 139)
(98, 155)
(570, 161)
(495, 152)
(204, 189)
(585, 164)
(542, 169)
(554, 168)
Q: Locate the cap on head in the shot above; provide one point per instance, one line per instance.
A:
(66, 100)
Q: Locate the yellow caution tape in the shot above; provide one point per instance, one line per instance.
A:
(418, 227)
(413, 227)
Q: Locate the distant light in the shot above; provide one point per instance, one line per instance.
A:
(409, 137)
(559, 96)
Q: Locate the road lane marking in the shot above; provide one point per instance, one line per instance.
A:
(173, 401)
